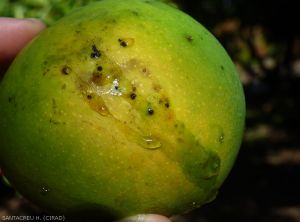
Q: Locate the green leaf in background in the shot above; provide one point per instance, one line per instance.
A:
(47, 10)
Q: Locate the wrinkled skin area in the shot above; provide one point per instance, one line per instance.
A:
(120, 109)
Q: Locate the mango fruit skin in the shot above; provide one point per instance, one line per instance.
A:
(120, 108)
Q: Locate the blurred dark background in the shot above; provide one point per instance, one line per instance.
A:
(263, 39)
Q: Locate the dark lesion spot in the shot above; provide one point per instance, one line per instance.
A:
(189, 38)
(53, 121)
(97, 78)
(54, 106)
(135, 13)
(46, 71)
(122, 43)
(126, 42)
(66, 70)
(89, 97)
(165, 102)
(132, 96)
(11, 99)
(99, 68)
(95, 52)
(150, 111)
(156, 87)
(56, 122)
(222, 67)
(145, 71)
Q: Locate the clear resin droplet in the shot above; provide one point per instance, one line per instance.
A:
(150, 142)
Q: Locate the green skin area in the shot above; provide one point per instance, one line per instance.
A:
(120, 108)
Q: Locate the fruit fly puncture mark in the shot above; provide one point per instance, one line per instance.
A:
(133, 96)
(122, 43)
(95, 52)
(189, 38)
(150, 111)
(126, 42)
(66, 70)
(99, 68)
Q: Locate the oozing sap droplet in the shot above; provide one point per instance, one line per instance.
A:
(149, 142)
(115, 90)
(44, 190)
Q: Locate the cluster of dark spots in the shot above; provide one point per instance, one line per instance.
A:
(66, 70)
(54, 121)
(180, 127)
(132, 96)
(189, 38)
(165, 102)
(150, 111)
(95, 52)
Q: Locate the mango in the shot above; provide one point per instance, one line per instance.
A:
(120, 108)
